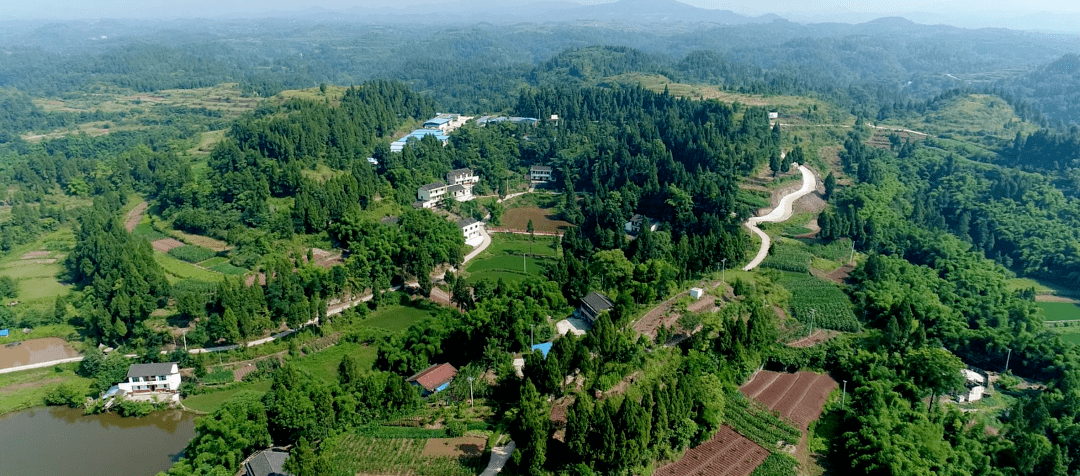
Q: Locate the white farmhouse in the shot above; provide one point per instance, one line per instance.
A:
(464, 177)
(151, 378)
(429, 195)
(470, 228)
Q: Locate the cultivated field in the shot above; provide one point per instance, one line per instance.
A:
(544, 221)
(1059, 311)
(364, 455)
(726, 454)
(798, 397)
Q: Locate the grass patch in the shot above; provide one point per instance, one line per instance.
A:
(208, 402)
(399, 317)
(146, 230)
(26, 389)
(176, 270)
(505, 243)
(228, 268)
(1059, 311)
(37, 276)
(788, 255)
(62, 331)
(210, 263)
(1071, 338)
(323, 365)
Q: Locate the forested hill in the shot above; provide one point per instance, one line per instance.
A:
(861, 66)
(1054, 88)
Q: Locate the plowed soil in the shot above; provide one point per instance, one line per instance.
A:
(726, 454)
(798, 397)
(467, 446)
(164, 245)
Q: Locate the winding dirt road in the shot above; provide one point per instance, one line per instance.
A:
(779, 214)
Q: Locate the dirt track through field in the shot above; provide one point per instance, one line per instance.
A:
(134, 217)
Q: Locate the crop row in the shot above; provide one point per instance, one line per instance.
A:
(822, 301)
(757, 423)
(394, 456)
(776, 465)
(788, 257)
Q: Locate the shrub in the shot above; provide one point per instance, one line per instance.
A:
(191, 254)
(67, 394)
(456, 429)
(132, 408)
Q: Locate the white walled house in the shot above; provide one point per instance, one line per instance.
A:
(539, 173)
(151, 378)
(462, 177)
(470, 228)
(460, 192)
(429, 195)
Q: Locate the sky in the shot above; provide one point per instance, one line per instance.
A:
(1060, 15)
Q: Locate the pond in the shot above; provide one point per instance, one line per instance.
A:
(34, 351)
(61, 440)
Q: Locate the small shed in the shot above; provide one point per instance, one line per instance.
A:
(696, 293)
(434, 379)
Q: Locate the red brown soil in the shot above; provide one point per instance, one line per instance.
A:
(661, 315)
(134, 217)
(798, 397)
(819, 336)
(726, 454)
(517, 219)
(840, 274)
(326, 259)
(35, 351)
(166, 244)
(465, 446)
(35, 254)
(250, 280)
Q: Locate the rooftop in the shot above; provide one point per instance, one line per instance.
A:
(150, 370)
(433, 377)
(543, 348)
(465, 171)
(540, 168)
(597, 302)
(432, 186)
(437, 120)
(464, 222)
(268, 463)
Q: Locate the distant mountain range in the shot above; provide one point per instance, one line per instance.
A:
(621, 12)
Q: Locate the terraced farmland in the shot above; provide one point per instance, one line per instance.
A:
(797, 397)
(726, 454)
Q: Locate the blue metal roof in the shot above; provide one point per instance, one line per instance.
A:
(3, 332)
(543, 348)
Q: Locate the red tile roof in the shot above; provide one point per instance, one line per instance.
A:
(433, 377)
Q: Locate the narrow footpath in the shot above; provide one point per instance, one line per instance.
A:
(781, 213)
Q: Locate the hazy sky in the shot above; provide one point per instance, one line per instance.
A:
(971, 12)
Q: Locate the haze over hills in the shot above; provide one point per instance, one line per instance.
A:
(1035, 16)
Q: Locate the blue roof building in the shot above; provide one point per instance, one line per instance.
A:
(543, 348)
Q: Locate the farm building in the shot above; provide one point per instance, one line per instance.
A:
(487, 120)
(418, 134)
(434, 379)
(543, 348)
(633, 226)
(267, 463)
(471, 229)
(439, 123)
(145, 381)
(539, 173)
(428, 196)
(592, 305)
(461, 177)
(696, 293)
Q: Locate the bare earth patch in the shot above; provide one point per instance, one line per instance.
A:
(134, 217)
(819, 336)
(544, 221)
(1054, 298)
(35, 254)
(166, 244)
(465, 446)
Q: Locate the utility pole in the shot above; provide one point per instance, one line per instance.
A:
(524, 265)
(811, 323)
(185, 341)
(471, 402)
(843, 398)
(723, 273)
(532, 329)
(852, 251)
(1007, 358)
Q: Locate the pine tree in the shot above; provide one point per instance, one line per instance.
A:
(531, 431)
